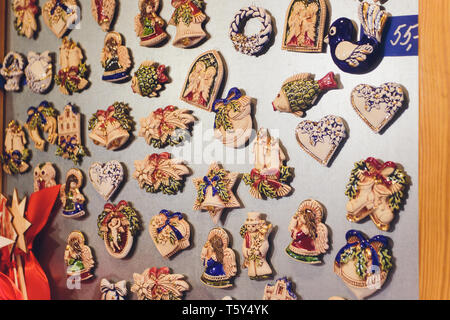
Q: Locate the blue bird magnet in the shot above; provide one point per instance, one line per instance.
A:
(364, 55)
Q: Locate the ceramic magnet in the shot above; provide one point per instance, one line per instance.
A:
(106, 177)
(12, 71)
(103, 12)
(61, 16)
(69, 135)
(149, 79)
(42, 118)
(25, 12)
(188, 17)
(44, 176)
(281, 290)
(78, 257)
(15, 154)
(113, 291)
(149, 27)
(39, 71)
(203, 80)
(71, 197)
(115, 58)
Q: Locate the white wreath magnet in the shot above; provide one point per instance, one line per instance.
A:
(251, 45)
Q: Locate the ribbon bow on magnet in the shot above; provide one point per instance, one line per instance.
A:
(109, 207)
(378, 167)
(34, 112)
(210, 182)
(31, 5)
(119, 289)
(167, 223)
(233, 94)
(257, 177)
(60, 4)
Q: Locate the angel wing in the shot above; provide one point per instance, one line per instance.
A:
(321, 241)
(229, 262)
(124, 57)
(137, 25)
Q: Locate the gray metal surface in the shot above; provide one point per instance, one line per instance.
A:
(260, 78)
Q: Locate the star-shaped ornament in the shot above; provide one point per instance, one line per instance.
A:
(8, 235)
(214, 191)
(19, 223)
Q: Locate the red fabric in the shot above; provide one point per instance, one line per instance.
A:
(303, 241)
(8, 290)
(39, 208)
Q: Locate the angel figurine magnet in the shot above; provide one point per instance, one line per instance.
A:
(255, 233)
(219, 260)
(103, 12)
(25, 12)
(117, 226)
(71, 197)
(115, 58)
(149, 27)
(78, 257)
(309, 235)
(269, 178)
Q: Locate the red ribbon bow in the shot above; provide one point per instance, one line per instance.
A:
(257, 177)
(65, 75)
(107, 114)
(112, 208)
(39, 209)
(195, 10)
(31, 5)
(378, 167)
(160, 71)
(161, 112)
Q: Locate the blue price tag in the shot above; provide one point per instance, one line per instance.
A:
(402, 36)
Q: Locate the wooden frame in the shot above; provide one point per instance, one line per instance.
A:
(434, 148)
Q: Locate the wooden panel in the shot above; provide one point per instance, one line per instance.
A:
(2, 95)
(434, 155)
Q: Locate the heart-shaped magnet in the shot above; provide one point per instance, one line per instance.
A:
(322, 138)
(106, 177)
(377, 106)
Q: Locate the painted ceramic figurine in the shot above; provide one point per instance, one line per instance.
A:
(188, 18)
(71, 197)
(15, 154)
(39, 71)
(378, 106)
(110, 128)
(281, 290)
(117, 226)
(269, 178)
(25, 12)
(219, 260)
(44, 176)
(363, 55)
(170, 232)
(12, 71)
(69, 135)
(255, 232)
(72, 75)
(300, 92)
(214, 191)
(60, 15)
(103, 12)
(233, 123)
(78, 257)
(203, 80)
(149, 27)
(309, 235)
(166, 126)
(376, 189)
(159, 284)
(251, 45)
(363, 264)
(321, 139)
(42, 118)
(115, 58)
(305, 26)
(149, 79)
(113, 291)
(106, 178)
(158, 172)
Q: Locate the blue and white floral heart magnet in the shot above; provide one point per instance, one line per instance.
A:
(106, 177)
(377, 106)
(321, 139)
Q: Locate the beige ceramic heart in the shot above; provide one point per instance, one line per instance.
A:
(321, 139)
(377, 106)
(170, 232)
(59, 16)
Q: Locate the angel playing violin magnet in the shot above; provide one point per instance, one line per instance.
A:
(376, 189)
(305, 26)
(233, 123)
(117, 226)
(364, 264)
(71, 197)
(203, 80)
(309, 235)
(218, 259)
(170, 232)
